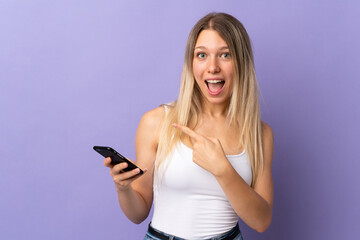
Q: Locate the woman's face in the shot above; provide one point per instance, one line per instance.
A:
(213, 67)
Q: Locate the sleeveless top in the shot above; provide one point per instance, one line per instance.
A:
(188, 201)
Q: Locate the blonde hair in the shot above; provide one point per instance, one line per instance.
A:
(243, 108)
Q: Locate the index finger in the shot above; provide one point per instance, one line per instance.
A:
(107, 162)
(186, 130)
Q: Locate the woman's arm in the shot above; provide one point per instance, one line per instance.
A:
(135, 194)
(253, 206)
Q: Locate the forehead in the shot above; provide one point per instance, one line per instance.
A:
(210, 39)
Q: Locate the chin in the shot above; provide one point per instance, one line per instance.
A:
(217, 100)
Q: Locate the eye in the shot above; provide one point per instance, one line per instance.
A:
(225, 55)
(201, 55)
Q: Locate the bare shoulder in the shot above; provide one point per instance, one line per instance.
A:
(267, 131)
(149, 126)
(268, 141)
(153, 117)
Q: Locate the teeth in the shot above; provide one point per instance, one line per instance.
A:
(214, 81)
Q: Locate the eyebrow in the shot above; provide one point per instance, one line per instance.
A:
(202, 47)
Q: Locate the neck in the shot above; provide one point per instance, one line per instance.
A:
(214, 110)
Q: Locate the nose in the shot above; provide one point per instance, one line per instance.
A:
(213, 65)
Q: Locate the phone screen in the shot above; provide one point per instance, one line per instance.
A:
(116, 157)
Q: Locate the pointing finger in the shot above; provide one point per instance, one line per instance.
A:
(187, 131)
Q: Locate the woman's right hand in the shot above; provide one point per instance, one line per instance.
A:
(122, 179)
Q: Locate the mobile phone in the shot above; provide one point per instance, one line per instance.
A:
(116, 157)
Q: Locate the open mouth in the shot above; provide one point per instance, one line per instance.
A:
(215, 86)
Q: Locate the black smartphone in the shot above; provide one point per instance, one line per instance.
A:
(116, 157)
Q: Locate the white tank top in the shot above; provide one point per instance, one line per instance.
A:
(189, 202)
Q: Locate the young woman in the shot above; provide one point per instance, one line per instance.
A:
(207, 156)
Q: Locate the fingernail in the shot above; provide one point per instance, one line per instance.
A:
(174, 125)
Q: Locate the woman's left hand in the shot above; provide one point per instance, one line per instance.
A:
(207, 151)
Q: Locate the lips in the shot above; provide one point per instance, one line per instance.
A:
(215, 86)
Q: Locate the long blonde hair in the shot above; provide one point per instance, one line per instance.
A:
(243, 109)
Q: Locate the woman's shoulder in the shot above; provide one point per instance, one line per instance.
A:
(268, 141)
(153, 117)
(151, 121)
(266, 129)
(267, 132)
(150, 125)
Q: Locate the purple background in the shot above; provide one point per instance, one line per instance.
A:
(74, 74)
